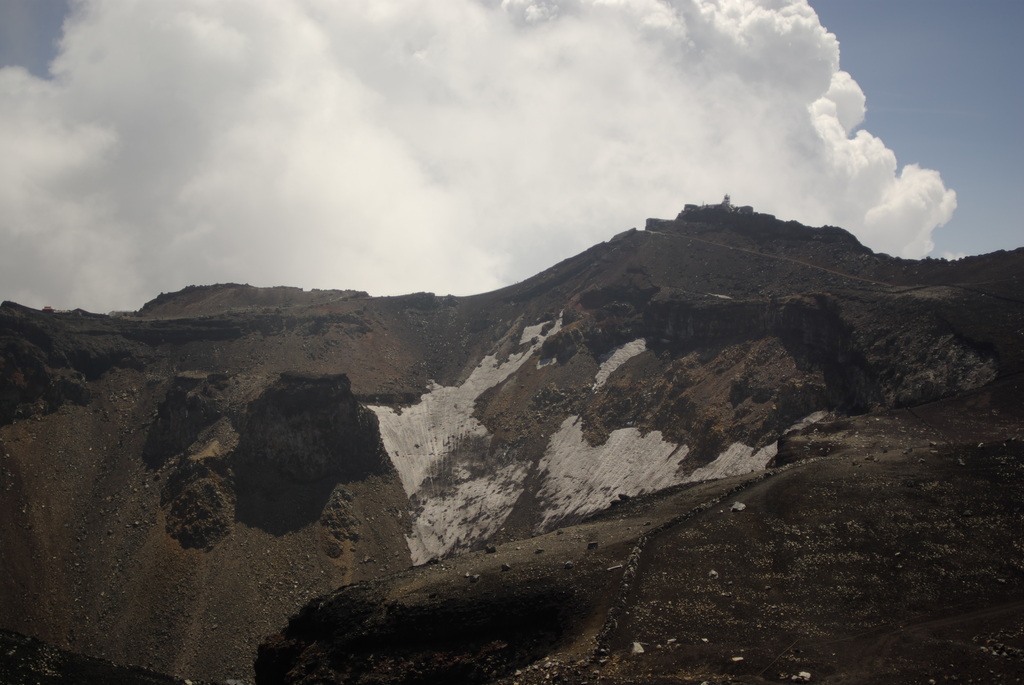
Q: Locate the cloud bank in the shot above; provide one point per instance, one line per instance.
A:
(403, 145)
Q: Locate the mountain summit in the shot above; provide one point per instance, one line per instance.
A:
(182, 479)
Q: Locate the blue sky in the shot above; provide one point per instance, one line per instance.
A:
(29, 31)
(942, 79)
(459, 146)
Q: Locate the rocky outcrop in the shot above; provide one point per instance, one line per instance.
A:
(378, 637)
(311, 428)
(30, 387)
(302, 437)
(199, 503)
(192, 404)
(46, 361)
(272, 462)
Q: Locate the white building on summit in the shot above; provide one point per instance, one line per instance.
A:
(725, 205)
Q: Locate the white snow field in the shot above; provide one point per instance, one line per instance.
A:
(461, 490)
(431, 444)
(580, 479)
(616, 358)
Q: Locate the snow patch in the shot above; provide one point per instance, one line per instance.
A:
(736, 460)
(479, 506)
(531, 332)
(417, 438)
(616, 358)
(434, 444)
(807, 421)
(739, 458)
(580, 479)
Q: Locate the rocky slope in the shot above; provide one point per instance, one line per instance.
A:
(177, 481)
(896, 558)
(26, 660)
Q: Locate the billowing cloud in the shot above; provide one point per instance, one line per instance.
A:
(402, 145)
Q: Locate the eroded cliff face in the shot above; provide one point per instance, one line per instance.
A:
(229, 442)
(272, 463)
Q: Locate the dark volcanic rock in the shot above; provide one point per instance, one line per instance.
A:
(199, 505)
(375, 637)
(303, 436)
(310, 428)
(30, 662)
(46, 363)
(190, 406)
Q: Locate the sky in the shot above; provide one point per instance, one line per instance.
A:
(396, 146)
(940, 75)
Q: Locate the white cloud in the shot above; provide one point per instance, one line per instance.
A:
(918, 200)
(399, 146)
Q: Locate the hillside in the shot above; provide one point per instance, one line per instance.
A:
(180, 480)
(896, 558)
